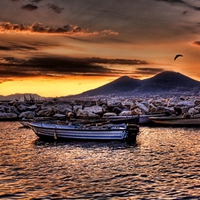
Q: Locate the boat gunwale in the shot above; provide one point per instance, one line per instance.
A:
(60, 127)
(175, 118)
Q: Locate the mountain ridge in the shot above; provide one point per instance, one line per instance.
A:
(164, 83)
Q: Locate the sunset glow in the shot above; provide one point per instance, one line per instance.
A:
(59, 48)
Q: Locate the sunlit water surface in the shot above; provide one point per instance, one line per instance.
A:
(165, 164)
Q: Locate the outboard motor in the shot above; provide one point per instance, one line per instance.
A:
(132, 132)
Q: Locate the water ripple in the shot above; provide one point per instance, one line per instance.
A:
(163, 165)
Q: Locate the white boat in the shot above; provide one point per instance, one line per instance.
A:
(173, 120)
(51, 130)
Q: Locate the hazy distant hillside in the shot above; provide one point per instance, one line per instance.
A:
(164, 83)
(20, 97)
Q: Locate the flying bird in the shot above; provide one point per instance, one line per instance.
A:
(178, 55)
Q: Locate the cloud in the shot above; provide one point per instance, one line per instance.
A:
(39, 28)
(2, 80)
(173, 1)
(62, 66)
(10, 61)
(148, 70)
(181, 2)
(15, 47)
(185, 12)
(35, 1)
(55, 8)
(5, 48)
(32, 1)
(29, 7)
(117, 61)
(196, 43)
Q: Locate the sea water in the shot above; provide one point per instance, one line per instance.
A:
(164, 164)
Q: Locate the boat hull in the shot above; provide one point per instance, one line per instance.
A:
(123, 119)
(145, 119)
(176, 121)
(60, 132)
(25, 123)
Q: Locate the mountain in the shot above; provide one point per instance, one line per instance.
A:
(118, 86)
(164, 83)
(169, 82)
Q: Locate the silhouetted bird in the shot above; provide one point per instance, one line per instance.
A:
(178, 55)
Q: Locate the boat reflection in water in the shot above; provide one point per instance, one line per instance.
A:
(164, 164)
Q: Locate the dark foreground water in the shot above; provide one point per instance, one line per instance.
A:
(165, 164)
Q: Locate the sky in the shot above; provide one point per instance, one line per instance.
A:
(62, 47)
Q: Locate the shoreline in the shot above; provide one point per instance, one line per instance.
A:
(97, 107)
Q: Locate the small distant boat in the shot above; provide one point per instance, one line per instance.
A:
(133, 119)
(123, 119)
(49, 130)
(173, 120)
(145, 119)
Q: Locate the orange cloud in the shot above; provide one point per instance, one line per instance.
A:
(39, 28)
(196, 43)
(61, 67)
